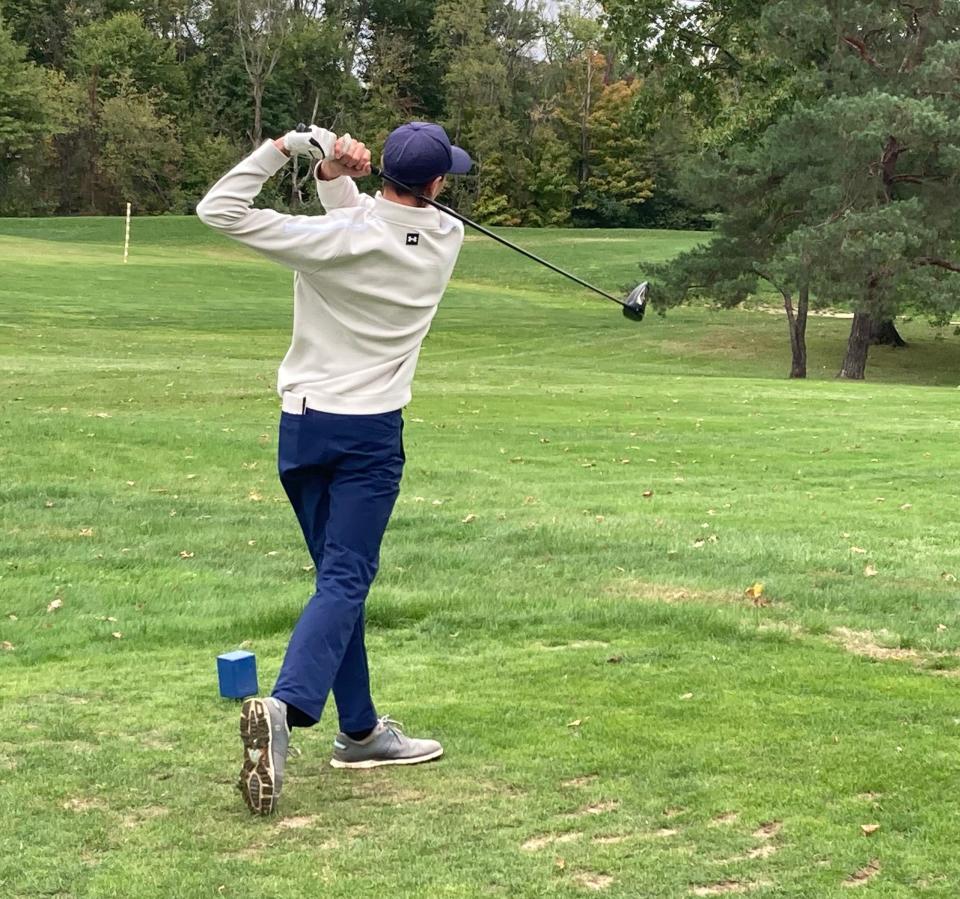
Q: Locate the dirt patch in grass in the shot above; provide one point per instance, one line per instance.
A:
(610, 839)
(297, 822)
(859, 878)
(84, 804)
(582, 781)
(645, 591)
(727, 887)
(870, 645)
(535, 844)
(595, 808)
(768, 830)
(725, 818)
(591, 880)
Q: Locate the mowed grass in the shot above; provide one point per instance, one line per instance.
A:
(561, 597)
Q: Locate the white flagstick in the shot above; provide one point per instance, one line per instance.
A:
(126, 237)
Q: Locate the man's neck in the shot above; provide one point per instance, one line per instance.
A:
(402, 200)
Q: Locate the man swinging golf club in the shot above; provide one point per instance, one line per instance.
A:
(368, 277)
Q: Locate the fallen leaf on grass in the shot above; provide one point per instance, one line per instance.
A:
(54, 605)
(615, 660)
(870, 571)
(184, 554)
(687, 696)
(48, 504)
(699, 544)
(906, 506)
(7, 646)
(559, 863)
(12, 617)
(864, 875)
(869, 829)
(945, 575)
(468, 519)
(754, 592)
(86, 532)
(857, 549)
(647, 493)
(254, 496)
(117, 635)
(578, 722)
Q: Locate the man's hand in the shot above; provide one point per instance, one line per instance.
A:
(305, 143)
(350, 157)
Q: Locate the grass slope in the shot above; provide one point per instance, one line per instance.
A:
(584, 504)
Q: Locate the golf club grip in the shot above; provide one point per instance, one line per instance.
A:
(502, 240)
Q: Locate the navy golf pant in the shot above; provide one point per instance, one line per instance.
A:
(342, 475)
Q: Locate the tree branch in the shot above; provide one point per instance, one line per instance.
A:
(939, 263)
(861, 48)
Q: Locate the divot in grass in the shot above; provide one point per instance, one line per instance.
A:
(727, 887)
(298, 822)
(82, 804)
(724, 819)
(864, 875)
(768, 830)
(582, 781)
(597, 808)
(591, 880)
(535, 844)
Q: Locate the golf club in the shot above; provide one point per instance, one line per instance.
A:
(634, 305)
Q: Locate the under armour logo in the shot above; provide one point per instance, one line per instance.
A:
(413, 239)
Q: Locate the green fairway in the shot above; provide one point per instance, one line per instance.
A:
(560, 600)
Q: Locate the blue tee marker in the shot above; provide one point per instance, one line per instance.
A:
(237, 672)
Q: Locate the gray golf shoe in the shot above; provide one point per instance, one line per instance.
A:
(387, 745)
(266, 743)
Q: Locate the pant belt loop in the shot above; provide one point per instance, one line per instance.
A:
(303, 407)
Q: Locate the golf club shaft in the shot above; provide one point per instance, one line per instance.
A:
(381, 174)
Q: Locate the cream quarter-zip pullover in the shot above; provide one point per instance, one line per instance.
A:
(369, 276)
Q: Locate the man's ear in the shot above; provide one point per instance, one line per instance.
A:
(436, 186)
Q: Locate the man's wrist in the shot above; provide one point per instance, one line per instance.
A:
(322, 175)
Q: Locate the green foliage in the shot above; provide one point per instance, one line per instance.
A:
(139, 152)
(851, 192)
(109, 54)
(516, 87)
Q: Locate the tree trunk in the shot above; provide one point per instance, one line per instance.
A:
(858, 344)
(885, 333)
(798, 333)
(256, 136)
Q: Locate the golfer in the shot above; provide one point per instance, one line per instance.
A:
(368, 276)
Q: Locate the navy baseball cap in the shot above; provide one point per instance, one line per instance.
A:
(418, 152)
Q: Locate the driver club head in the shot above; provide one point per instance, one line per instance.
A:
(636, 303)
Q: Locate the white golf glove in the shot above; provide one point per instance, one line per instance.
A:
(305, 143)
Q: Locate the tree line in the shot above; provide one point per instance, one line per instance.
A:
(108, 101)
(819, 141)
